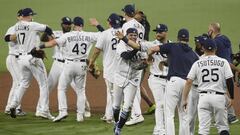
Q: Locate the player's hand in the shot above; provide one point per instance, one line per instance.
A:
(93, 22)
(90, 65)
(230, 103)
(119, 35)
(185, 105)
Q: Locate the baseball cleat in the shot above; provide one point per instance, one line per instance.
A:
(13, 112)
(60, 117)
(80, 118)
(20, 112)
(44, 115)
(107, 120)
(135, 120)
(87, 114)
(232, 119)
(150, 110)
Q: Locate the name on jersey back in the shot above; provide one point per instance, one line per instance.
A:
(203, 63)
(79, 38)
(22, 27)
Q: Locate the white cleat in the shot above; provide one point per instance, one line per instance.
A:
(107, 120)
(87, 114)
(44, 115)
(80, 118)
(60, 117)
(135, 120)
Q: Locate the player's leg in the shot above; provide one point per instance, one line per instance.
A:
(136, 113)
(231, 113)
(192, 108)
(40, 74)
(117, 100)
(146, 98)
(129, 95)
(108, 116)
(157, 87)
(204, 114)
(219, 103)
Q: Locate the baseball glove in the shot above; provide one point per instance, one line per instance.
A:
(95, 71)
(38, 53)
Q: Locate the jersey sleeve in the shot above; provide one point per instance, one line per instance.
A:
(100, 41)
(10, 31)
(193, 72)
(61, 40)
(38, 27)
(227, 70)
(95, 36)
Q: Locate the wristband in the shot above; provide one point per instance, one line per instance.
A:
(42, 46)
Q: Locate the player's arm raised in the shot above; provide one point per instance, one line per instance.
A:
(134, 45)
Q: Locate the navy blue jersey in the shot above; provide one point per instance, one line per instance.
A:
(180, 59)
(224, 48)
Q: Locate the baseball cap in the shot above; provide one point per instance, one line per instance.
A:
(19, 13)
(199, 39)
(183, 33)
(161, 28)
(132, 30)
(28, 12)
(114, 20)
(66, 20)
(209, 44)
(78, 21)
(129, 9)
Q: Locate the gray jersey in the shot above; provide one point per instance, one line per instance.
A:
(211, 73)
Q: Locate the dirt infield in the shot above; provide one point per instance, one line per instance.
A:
(95, 90)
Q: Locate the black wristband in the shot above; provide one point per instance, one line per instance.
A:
(42, 46)
(125, 39)
(100, 28)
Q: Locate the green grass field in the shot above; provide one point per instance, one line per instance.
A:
(192, 14)
(31, 125)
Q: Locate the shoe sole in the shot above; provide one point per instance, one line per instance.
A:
(135, 123)
(13, 113)
(235, 121)
(64, 117)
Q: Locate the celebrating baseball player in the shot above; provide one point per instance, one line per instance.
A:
(27, 38)
(77, 44)
(212, 73)
(107, 43)
(13, 67)
(129, 13)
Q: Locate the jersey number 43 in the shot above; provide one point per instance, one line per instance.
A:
(83, 48)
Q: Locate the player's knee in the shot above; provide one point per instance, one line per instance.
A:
(224, 132)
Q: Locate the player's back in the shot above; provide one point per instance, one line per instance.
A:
(28, 35)
(134, 24)
(77, 43)
(212, 72)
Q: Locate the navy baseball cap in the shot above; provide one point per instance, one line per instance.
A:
(199, 39)
(28, 12)
(209, 44)
(132, 30)
(66, 20)
(183, 33)
(78, 21)
(161, 28)
(129, 9)
(114, 20)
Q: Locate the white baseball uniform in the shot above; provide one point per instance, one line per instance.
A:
(107, 42)
(28, 38)
(133, 23)
(77, 46)
(211, 73)
(13, 68)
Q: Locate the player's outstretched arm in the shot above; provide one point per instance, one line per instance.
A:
(132, 44)
(48, 44)
(186, 90)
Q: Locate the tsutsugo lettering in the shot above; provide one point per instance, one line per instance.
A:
(210, 63)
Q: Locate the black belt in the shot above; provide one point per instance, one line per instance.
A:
(195, 85)
(80, 60)
(59, 60)
(160, 76)
(219, 93)
(16, 56)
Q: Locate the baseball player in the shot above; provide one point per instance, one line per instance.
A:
(27, 38)
(107, 43)
(58, 63)
(77, 44)
(129, 13)
(224, 50)
(13, 68)
(212, 73)
(179, 66)
(126, 79)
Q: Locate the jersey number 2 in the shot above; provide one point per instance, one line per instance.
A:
(207, 72)
(76, 48)
(114, 43)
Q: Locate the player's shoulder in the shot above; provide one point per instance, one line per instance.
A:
(58, 33)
